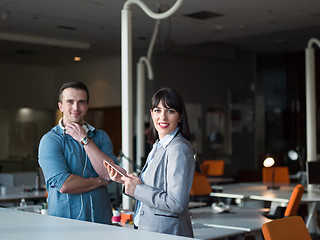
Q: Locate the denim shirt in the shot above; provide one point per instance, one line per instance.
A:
(61, 155)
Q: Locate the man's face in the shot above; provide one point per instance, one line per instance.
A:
(74, 105)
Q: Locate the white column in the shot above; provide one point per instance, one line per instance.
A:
(311, 106)
(126, 95)
(140, 141)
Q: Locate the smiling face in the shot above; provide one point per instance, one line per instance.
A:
(73, 105)
(165, 119)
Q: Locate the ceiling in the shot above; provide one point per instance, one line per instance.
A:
(38, 31)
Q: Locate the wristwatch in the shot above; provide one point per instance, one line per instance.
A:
(84, 141)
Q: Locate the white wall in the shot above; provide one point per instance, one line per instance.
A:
(26, 86)
(103, 80)
(37, 86)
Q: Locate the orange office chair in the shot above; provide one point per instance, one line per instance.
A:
(212, 167)
(200, 189)
(200, 185)
(294, 201)
(281, 174)
(292, 206)
(292, 228)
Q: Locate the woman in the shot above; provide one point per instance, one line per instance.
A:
(163, 189)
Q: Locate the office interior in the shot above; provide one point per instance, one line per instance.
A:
(244, 100)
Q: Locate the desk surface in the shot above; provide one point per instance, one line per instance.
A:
(259, 191)
(204, 232)
(242, 219)
(16, 193)
(24, 225)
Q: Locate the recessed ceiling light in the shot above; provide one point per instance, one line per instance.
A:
(77, 59)
(218, 27)
(280, 40)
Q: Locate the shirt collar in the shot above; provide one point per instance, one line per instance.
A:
(91, 128)
(60, 128)
(168, 138)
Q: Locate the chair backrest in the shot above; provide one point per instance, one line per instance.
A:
(200, 185)
(292, 228)
(294, 201)
(281, 174)
(212, 167)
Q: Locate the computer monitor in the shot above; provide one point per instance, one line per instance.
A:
(313, 170)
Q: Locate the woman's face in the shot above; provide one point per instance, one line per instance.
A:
(164, 119)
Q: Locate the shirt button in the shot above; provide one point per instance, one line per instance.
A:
(141, 212)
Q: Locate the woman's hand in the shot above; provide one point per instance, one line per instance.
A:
(130, 183)
(114, 175)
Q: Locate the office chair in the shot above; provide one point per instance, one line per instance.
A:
(289, 228)
(294, 201)
(200, 189)
(213, 167)
(281, 175)
(292, 206)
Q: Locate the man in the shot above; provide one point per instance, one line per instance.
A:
(71, 156)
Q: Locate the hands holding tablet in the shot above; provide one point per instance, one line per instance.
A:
(118, 174)
(114, 168)
(115, 171)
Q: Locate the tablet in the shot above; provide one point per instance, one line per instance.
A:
(115, 169)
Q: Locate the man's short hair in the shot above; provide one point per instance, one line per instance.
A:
(76, 85)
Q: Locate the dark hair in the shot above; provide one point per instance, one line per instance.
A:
(170, 98)
(76, 85)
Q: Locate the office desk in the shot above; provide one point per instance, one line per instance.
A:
(240, 220)
(259, 191)
(21, 225)
(209, 233)
(255, 191)
(14, 194)
(219, 180)
(246, 190)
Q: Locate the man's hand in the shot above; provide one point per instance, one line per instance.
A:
(75, 131)
(75, 184)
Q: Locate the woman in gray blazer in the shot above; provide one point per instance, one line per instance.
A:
(162, 191)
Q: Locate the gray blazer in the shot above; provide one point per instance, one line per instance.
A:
(166, 190)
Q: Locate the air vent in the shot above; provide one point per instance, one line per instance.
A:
(143, 38)
(26, 52)
(66, 27)
(203, 15)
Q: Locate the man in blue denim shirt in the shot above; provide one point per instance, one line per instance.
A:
(71, 156)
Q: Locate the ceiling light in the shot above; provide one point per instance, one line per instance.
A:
(44, 41)
(77, 59)
(218, 27)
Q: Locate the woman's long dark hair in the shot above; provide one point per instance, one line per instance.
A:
(169, 98)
